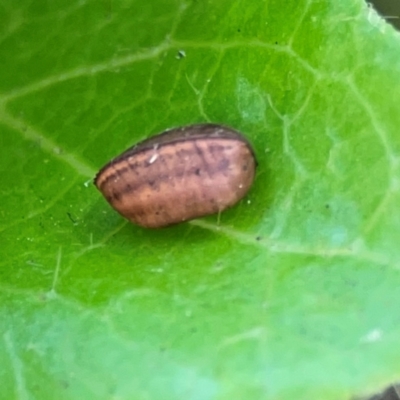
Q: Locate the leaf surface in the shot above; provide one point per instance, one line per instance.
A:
(292, 293)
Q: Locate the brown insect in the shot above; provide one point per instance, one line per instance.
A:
(178, 175)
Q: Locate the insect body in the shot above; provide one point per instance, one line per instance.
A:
(181, 174)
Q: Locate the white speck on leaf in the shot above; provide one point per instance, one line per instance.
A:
(375, 335)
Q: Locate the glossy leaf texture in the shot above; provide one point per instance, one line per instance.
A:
(293, 293)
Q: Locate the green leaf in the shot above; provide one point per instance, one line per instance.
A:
(294, 293)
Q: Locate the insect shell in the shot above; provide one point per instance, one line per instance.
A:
(178, 175)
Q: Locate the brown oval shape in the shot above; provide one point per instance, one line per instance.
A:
(178, 175)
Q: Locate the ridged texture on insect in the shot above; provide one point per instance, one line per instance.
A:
(181, 174)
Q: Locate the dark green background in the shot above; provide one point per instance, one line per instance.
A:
(389, 9)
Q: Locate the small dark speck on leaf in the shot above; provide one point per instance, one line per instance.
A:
(181, 54)
(258, 238)
(65, 384)
(71, 218)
